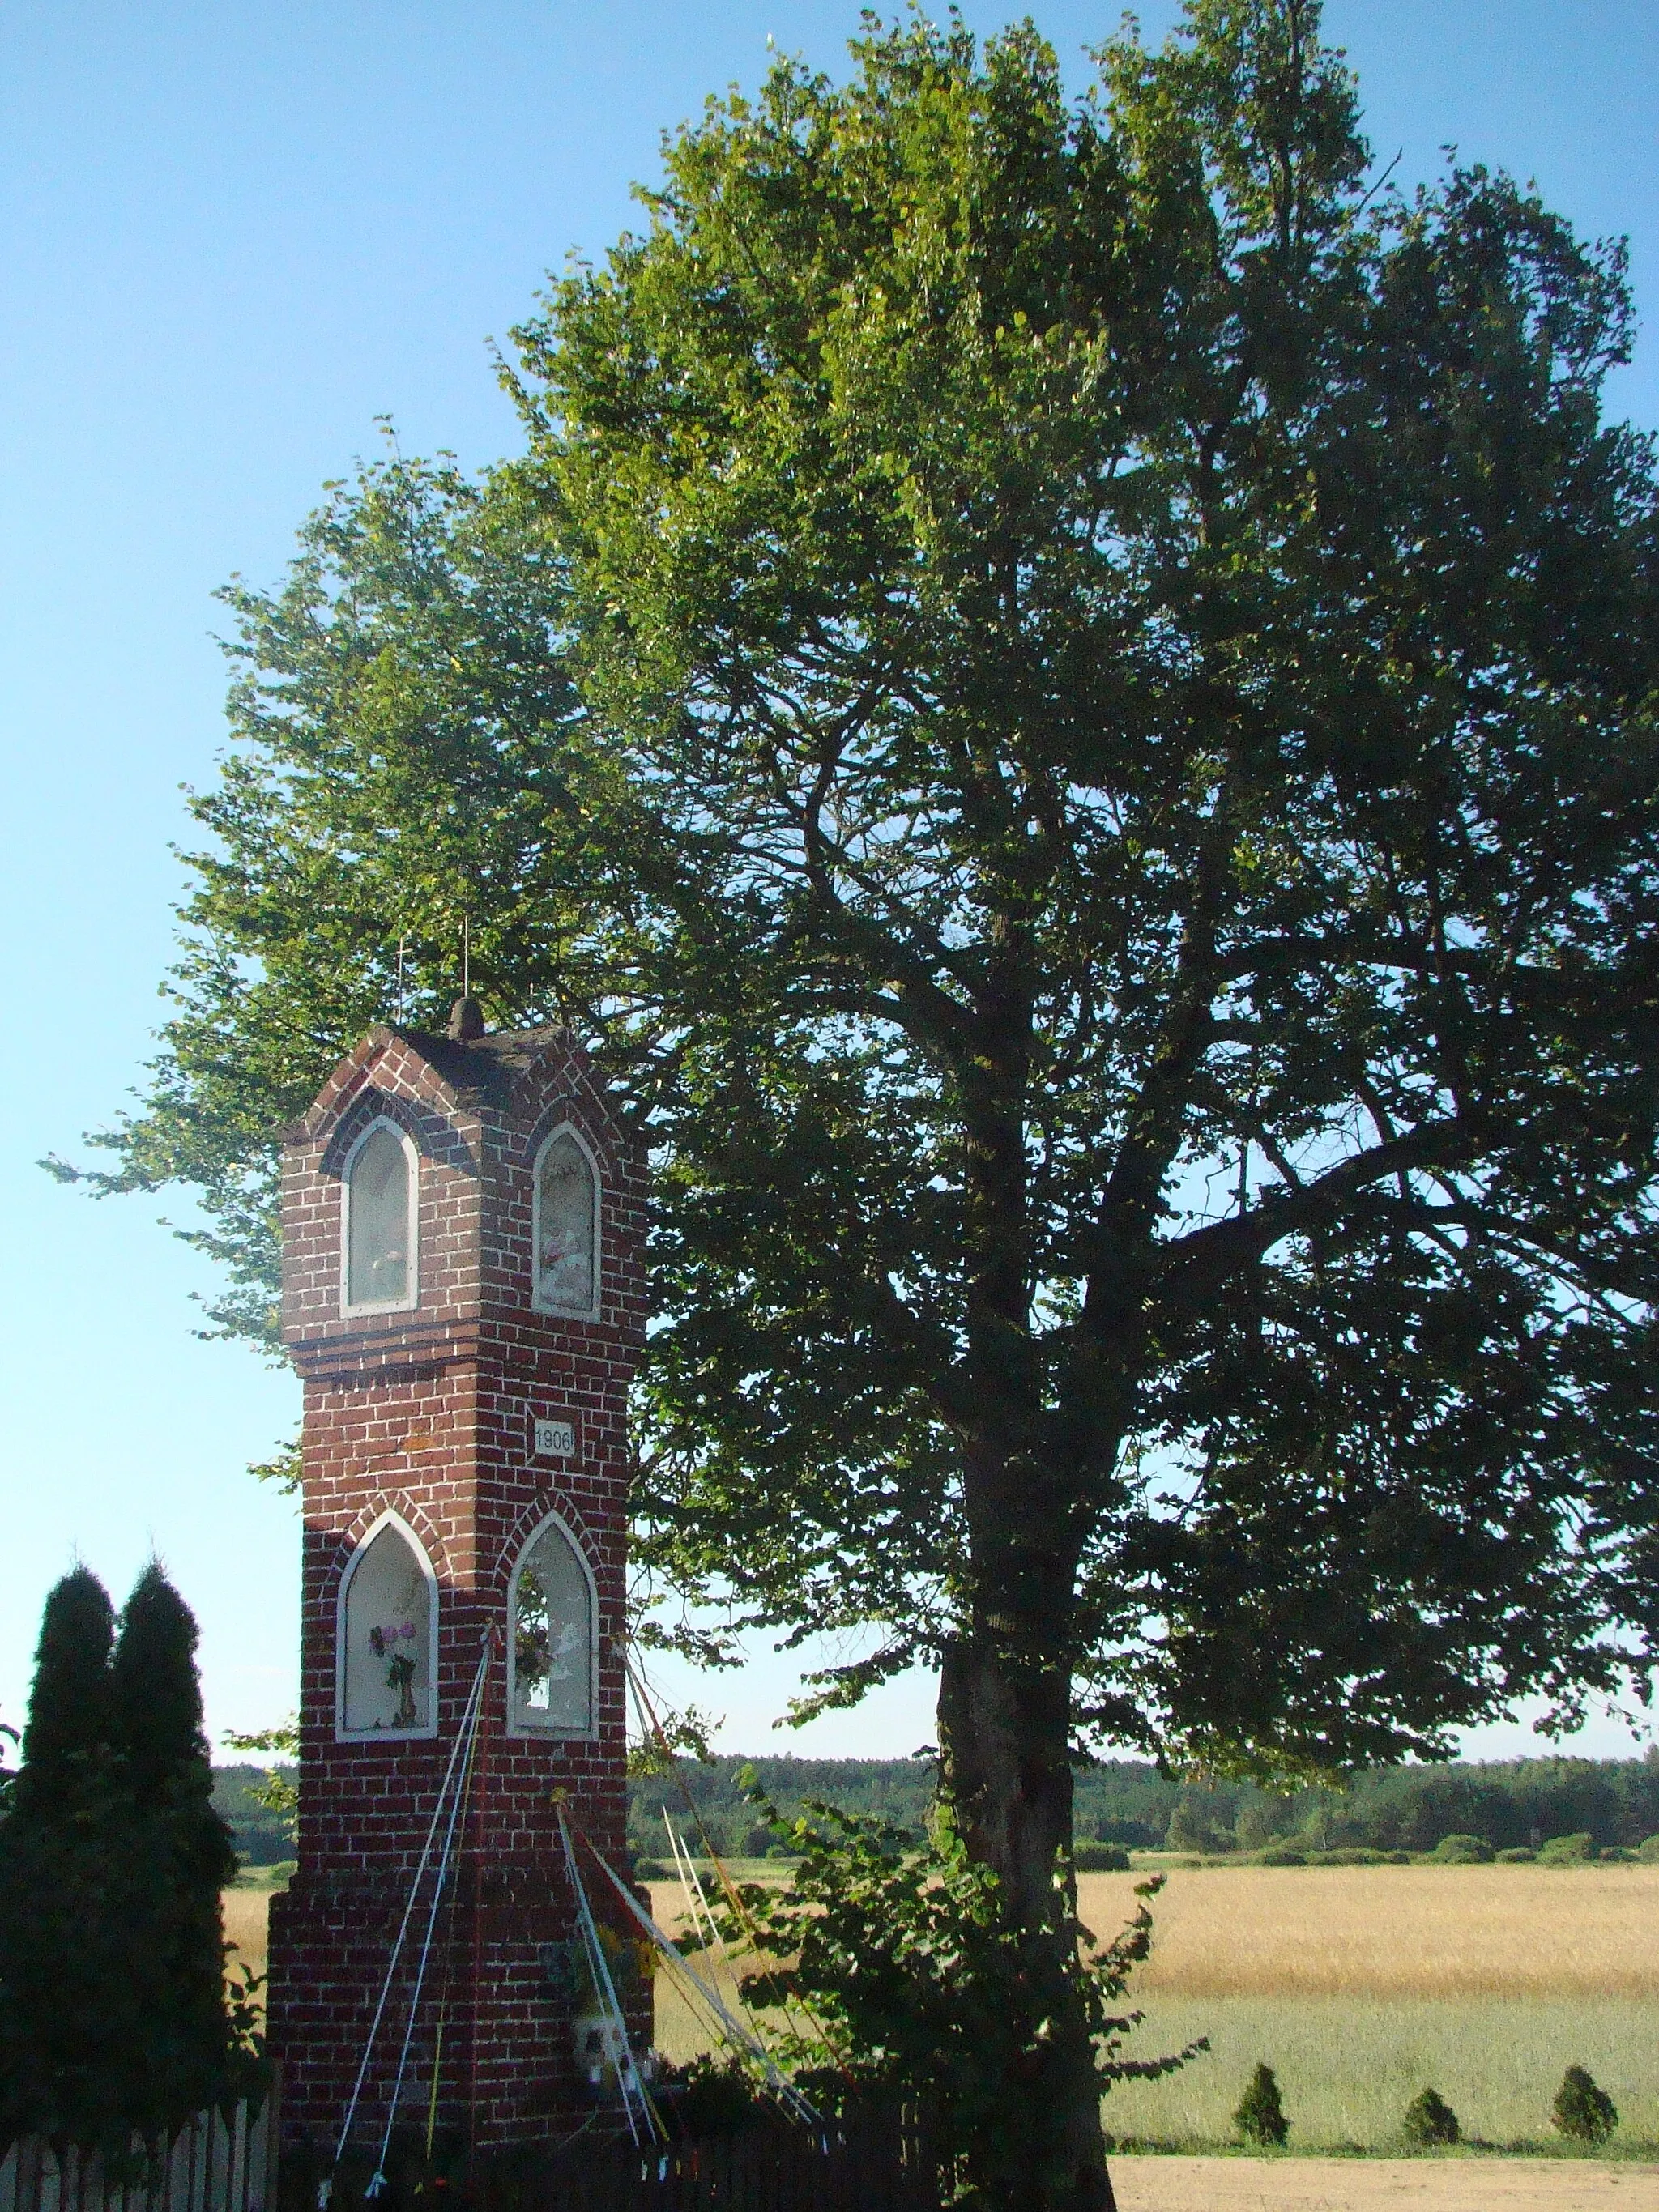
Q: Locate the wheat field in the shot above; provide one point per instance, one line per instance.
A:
(1416, 1932)
(1359, 1985)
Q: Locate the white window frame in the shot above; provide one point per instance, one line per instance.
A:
(552, 1518)
(538, 1301)
(407, 1303)
(359, 1553)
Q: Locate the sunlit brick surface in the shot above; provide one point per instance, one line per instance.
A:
(430, 1412)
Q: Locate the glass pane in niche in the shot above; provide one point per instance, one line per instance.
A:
(387, 1634)
(552, 1633)
(376, 1264)
(565, 1223)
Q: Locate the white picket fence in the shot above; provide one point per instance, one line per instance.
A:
(212, 2164)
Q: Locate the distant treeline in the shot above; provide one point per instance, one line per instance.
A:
(259, 1836)
(1409, 1809)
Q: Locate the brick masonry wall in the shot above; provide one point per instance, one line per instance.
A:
(430, 1412)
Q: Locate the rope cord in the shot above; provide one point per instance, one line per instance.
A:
(408, 1914)
(745, 1919)
(784, 2090)
(481, 1811)
(700, 1915)
(467, 1773)
(470, 1731)
(627, 2078)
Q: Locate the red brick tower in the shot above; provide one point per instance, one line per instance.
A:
(462, 1296)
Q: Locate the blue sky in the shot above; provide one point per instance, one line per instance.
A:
(232, 236)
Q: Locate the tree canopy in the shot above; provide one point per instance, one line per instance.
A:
(1066, 700)
(1064, 692)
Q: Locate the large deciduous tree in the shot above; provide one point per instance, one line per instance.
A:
(1065, 695)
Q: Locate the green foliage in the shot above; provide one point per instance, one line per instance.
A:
(1648, 1850)
(65, 2014)
(1282, 1855)
(1297, 675)
(70, 1723)
(1100, 1858)
(275, 1790)
(904, 1976)
(1567, 1850)
(1429, 2120)
(112, 2011)
(1516, 1855)
(1063, 691)
(1583, 2112)
(1463, 1850)
(181, 1858)
(1259, 2117)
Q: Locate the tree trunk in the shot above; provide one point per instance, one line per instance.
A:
(1004, 1745)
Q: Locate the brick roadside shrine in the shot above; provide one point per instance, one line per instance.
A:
(463, 1294)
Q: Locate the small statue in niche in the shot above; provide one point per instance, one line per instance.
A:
(399, 1671)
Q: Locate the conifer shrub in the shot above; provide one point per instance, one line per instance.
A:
(1648, 1850)
(1517, 1855)
(1429, 2120)
(182, 1858)
(1583, 2112)
(1282, 1854)
(113, 2013)
(1259, 2117)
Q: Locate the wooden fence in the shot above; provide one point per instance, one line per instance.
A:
(866, 2166)
(215, 2163)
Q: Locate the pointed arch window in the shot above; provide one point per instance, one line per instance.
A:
(567, 1227)
(378, 1259)
(552, 1640)
(385, 1636)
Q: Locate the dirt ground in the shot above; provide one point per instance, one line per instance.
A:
(1381, 2184)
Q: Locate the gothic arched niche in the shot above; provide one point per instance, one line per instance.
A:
(386, 1630)
(566, 1226)
(379, 1258)
(552, 1640)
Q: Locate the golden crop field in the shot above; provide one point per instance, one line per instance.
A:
(1395, 1932)
(246, 1912)
(1359, 1985)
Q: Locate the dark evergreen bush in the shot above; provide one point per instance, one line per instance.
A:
(1583, 2112)
(112, 2012)
(1282, 1854)
(1518, 1855)
(1429, 2120)
(1261, 2115)
(64, 2012)
(182, 1858)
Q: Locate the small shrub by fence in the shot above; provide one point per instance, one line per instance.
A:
(216, 2163)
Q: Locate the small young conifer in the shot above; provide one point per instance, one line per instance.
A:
(182, 1858)
(1261, 2115)
(63, 2009)
(1583, 2112)
(1429, 2120)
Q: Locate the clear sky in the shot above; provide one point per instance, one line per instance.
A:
(231, 236)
